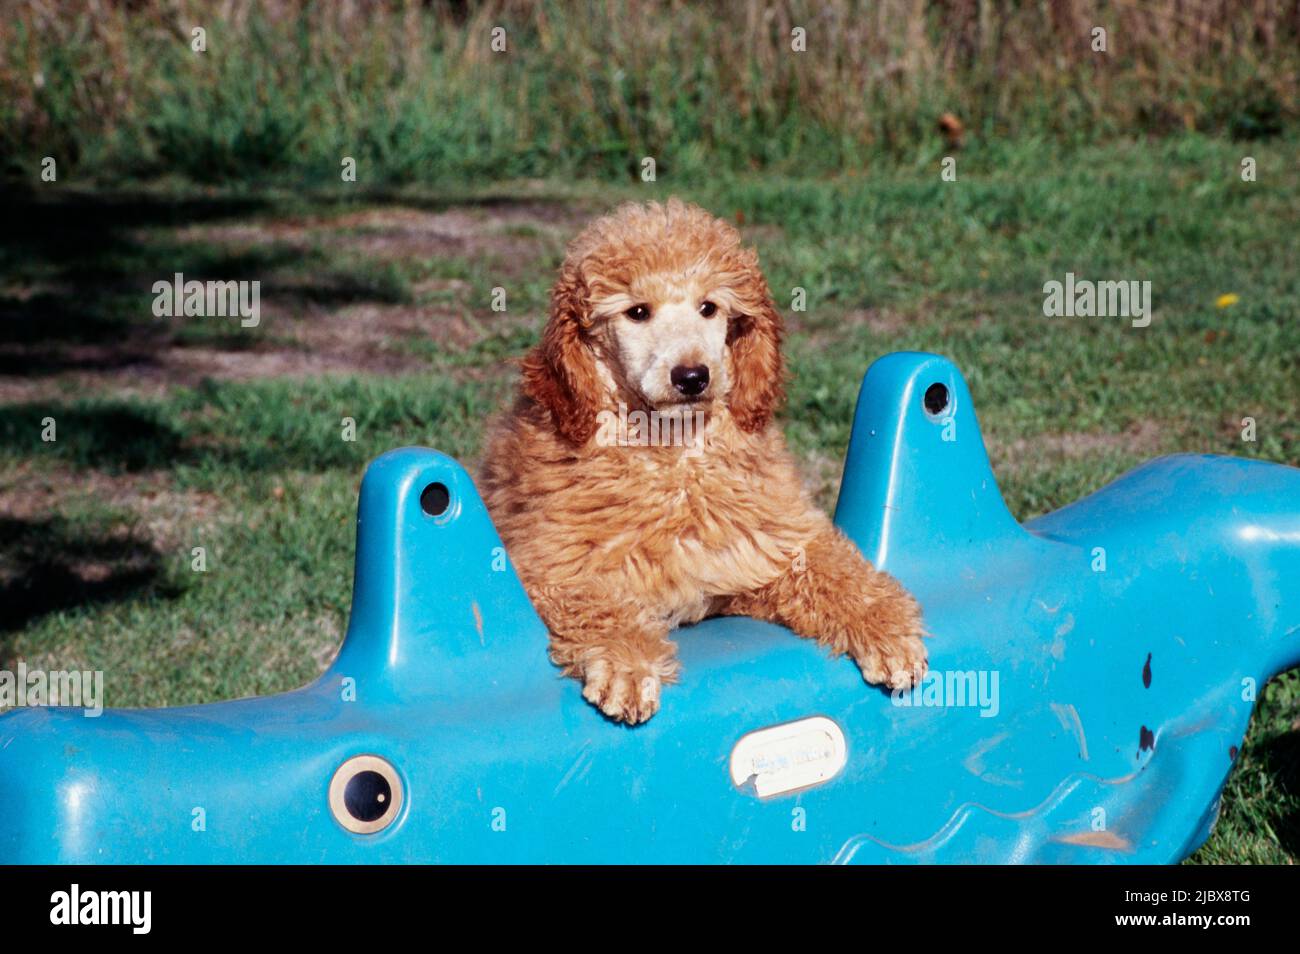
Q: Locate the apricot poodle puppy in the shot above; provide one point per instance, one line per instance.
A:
(640, 483)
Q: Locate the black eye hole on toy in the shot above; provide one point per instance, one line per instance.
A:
(936, 399)
(365, 794)
(435, 499)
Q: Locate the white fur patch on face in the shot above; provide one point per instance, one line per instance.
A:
(675, 335)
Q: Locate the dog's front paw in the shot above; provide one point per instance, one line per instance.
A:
(890, 651)
(624, 693)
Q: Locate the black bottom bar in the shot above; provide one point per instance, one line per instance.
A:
(305, 904)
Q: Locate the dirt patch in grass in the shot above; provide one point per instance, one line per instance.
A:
(882, 321)
(70, 540)
(195, 364)
(125, 371)
(166, 516)
(304, 331)
(1143, 438)
(510, 234)
(370, 336)
(823, 329)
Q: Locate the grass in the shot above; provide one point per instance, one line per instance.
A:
(376, 307)
(418, 93)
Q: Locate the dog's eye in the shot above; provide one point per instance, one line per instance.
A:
(638, 312)
(708, 309)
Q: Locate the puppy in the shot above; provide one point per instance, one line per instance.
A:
(639, 483)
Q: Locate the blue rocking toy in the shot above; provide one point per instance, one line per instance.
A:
(1090, 679)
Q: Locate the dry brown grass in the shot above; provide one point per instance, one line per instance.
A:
(633, 74)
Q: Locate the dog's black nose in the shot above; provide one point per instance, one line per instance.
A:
(690, 381)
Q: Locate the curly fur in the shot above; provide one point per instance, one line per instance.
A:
(618, 545)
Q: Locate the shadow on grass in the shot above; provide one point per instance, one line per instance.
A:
(114, 436)
(76, 278)
(62, 566)
(1279, 758)
(79, 277)
(109, 302)
(123, 437)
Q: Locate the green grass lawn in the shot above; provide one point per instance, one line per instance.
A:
(376, 307)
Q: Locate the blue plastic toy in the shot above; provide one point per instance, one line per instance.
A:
(1094, 672)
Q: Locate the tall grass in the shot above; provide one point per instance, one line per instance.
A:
(415, 92)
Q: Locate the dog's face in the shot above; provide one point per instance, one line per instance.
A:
(664, 339)
(658, 306)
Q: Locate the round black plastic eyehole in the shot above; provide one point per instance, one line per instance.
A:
(435, 499)
(936, 399)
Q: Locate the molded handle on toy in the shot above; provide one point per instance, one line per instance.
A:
(917, 479)
(437, 607)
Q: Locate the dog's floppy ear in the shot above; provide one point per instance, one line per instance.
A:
(758, 384)
(560, 373)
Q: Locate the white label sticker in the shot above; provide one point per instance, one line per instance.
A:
(787, 757)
